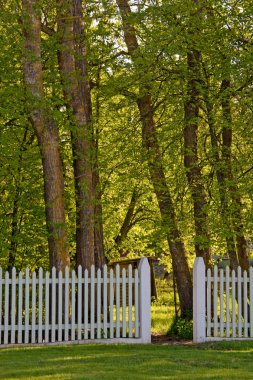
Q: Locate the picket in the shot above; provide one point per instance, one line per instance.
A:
(42, 307)
(225, 306)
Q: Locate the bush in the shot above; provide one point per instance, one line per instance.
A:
(181, 328)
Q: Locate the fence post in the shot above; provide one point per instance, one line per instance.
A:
(145, 294)
(199, 295)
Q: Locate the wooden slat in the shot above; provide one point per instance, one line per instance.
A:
(136, 303)
(73, 305)
(117, 301)
(92, 300)
(251, 301)
(123, 302)
(233, 306)
(13, 305)
(86, 303)
(66, 305)
(79, 304)
(221, 303)
(33, 306)
(53, 305)
(105, 307)
(130, 301)
(215, 301)
(227, 303)
(6, 309)
(111, 304)
(47, 308)
(27, 285)
(40, 305)
(60, 306)
(239, 299)
(20, 307)
(98, 303)
(245, 302)
(208, 302)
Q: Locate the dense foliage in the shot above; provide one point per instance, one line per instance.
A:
(159, 162)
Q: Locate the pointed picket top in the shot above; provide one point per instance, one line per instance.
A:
(66, 271)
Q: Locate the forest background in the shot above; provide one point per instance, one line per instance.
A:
(126, 130)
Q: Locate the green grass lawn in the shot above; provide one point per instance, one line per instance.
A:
(209, 361)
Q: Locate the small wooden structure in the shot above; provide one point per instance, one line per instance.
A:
(123, 263)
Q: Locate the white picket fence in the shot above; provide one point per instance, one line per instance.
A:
(106, 306)
(222, 303)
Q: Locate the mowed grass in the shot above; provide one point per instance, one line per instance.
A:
(223, 360)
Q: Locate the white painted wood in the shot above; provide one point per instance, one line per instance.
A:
(46, 338)
(111, 304)
(208, 300)
(199, 288)
(6, 309)
(86, 303)
(40, 305)
(53, 304)
(92, 312)
(50, 303)
(33, 306)
(215, 301)
(117, 301)
(145, 296)
(79, 305)
(59, 306)
(66, 306)
(233, 306)
(105, 303)
(239, 293)
(221, 303)
(73, 305)
(245, 301)
(251, 300)
(98, 304)
(20, 307)
(13, 305)
(227, 302)
(136, 303)
(27, 301)
(130, 301)
(1, 302)
(124, 303)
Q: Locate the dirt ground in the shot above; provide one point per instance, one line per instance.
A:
(165, 340)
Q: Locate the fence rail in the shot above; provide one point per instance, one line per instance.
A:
(222, 303)
(72, 307)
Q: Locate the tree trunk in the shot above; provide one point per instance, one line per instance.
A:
(77, 98)
(47, 135)
(191, 161)
(220, 175)
(241, 244)
(151, 146)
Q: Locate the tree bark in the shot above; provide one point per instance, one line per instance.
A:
(156, 170)
(47, 135)
(220, 175)
(191, 160)
(241, 243)
(77, 98)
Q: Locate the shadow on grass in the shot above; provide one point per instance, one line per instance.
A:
(209, 361)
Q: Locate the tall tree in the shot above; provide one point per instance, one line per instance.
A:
(191, 159)
(157, 175)
(47, 135)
